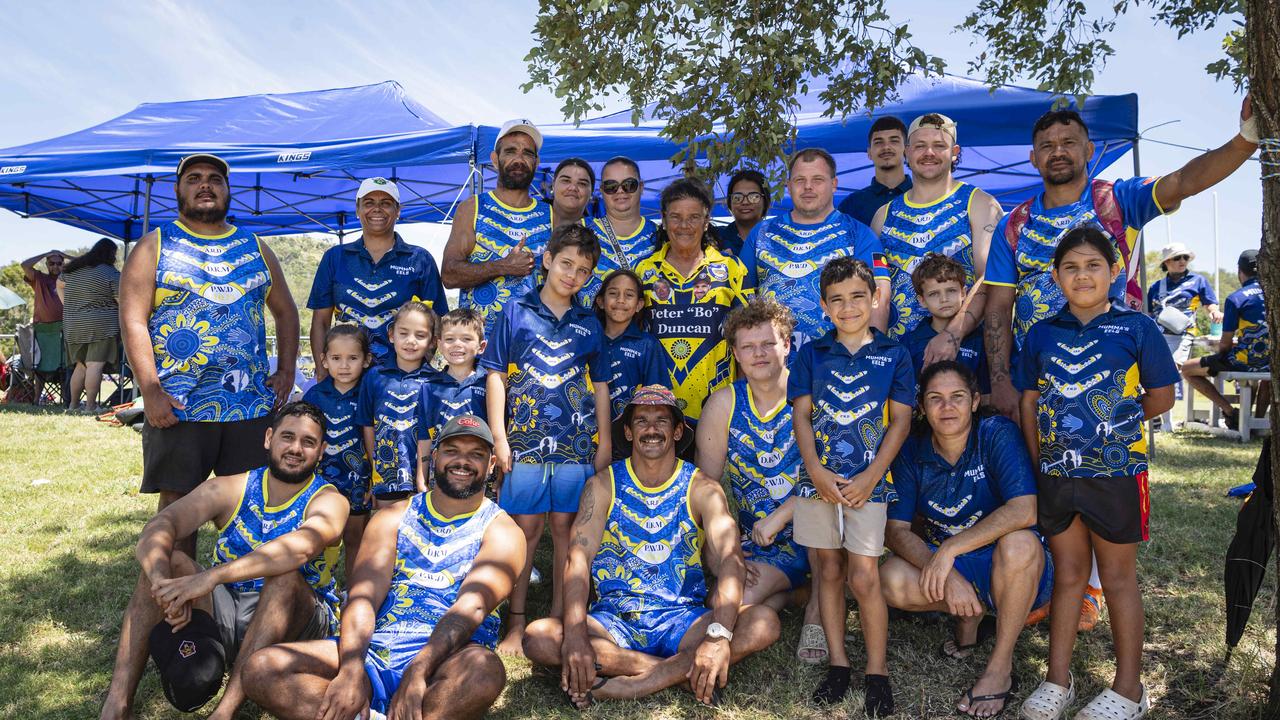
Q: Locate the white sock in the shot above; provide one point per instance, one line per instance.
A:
(1094, 580)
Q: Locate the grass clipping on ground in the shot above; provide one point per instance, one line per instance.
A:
(67, 569)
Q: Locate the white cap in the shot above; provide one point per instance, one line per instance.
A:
(1173, 250)
(523, 126)
(378, 184)
(937, 121)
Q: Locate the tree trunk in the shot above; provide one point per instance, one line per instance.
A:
(1263, 38)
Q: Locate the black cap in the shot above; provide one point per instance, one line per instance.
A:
(468, 426)
(1248, 262)
(213, 160)
(191, 662)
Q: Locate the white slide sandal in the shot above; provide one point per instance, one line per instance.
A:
(1111, 705)
(1048, 702)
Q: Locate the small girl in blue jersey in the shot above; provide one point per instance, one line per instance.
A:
(345, 356)
(633, 356)
(389, 397)
(1090, 376)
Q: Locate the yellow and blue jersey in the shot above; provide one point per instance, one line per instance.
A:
(434, 553)
(618, 252)
(345, 464)
(1091, 379)
(784, 259)
(444, 398)
(207, 327)
(1187, 293)
(389, 399)
(634, 358)
(851, 393)
(1245, 315)
(256, 523)
(368, 293)
(1026, 267)
(499, 228)
(913, 230)
(650, 555)
(550, 364)
(687, 315)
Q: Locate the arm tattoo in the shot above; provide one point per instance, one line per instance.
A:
(587, 505)
(452, 632)
(997, 351)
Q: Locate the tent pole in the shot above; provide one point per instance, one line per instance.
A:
(342, 221)
(146, 208)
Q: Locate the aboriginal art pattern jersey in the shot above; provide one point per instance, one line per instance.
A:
(912, 231)
(851, 393)
(687, 315)
(433, 556)
(634, 358)
(650, 555)
(1186, 293)
(1091, 379)
(1245, 315)
(444, 398)
(550, 364)
(784, 259)
(617, 252)
(256, 523)
(345, 463)
(1026, 264)
(389, 400)
(207, 328)
(499, 228)
(762, 465)
(368, 293)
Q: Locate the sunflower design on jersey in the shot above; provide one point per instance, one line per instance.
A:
(524, 414)
(681, 349)
(184, 343)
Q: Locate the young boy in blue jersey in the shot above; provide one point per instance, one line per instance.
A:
(1090, 376)
(460, 388)
(345, 356)
(852, 391)
(939, 284)
(547, 395)
(388, 408)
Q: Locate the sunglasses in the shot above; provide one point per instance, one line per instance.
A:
(628, 186)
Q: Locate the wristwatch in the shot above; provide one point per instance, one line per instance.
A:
(717, 631)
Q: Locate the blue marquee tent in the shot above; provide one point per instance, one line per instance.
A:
(297, 158)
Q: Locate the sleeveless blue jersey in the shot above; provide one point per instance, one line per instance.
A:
(255, 523)
(912, 231)
(762, 466)
(618, 252)
(499, 228)
(433, 556)
(650, 556)
(206, 326)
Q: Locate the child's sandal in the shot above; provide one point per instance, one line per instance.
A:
(1048, 702)
(1111, 705)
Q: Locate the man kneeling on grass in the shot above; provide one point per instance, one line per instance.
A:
(643, 529)
(279, 529)
(437, 566)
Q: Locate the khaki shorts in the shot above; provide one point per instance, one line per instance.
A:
(103, 351)
(817, 526)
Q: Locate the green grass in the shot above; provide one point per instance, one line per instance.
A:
(67, 568)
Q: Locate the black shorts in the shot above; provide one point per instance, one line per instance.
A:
(1116, 509)
(179, 458)
(1220, 363)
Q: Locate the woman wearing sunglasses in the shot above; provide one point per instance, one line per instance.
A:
(690, 286)
(626, 237)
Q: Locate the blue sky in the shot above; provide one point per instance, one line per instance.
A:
(75, 64)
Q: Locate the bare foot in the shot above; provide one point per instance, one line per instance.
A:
(513, 643)
(960, 645)
(113, 710)
(988, 684)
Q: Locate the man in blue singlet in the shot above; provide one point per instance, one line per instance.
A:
(495, 236)
(939, 214)
(194, 296)
(270, 580)
(434, 569)
(648, 529)
(785, 254)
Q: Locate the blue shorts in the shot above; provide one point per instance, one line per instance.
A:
(787, 556)
(389, 655)
(975, 566)
(534, 489)
(355, 488)
(652, 632)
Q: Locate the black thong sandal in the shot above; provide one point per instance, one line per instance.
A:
(986, 631)
(1002, 697)
(599, 683)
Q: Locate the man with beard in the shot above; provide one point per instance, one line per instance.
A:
(271, 577)
(496, 236)
(886, 147)
(193, 297)
(436, 567)
(647, 530)
(1023, 243)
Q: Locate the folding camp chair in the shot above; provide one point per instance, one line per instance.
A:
(56, 382)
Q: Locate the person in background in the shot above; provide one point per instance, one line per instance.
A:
(571, 186)
(626, 237)
(46, 313)
(886, 148)
(1183, 292)
(1245, 343)
(748, 200)
(91, 319)
(366, 281)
